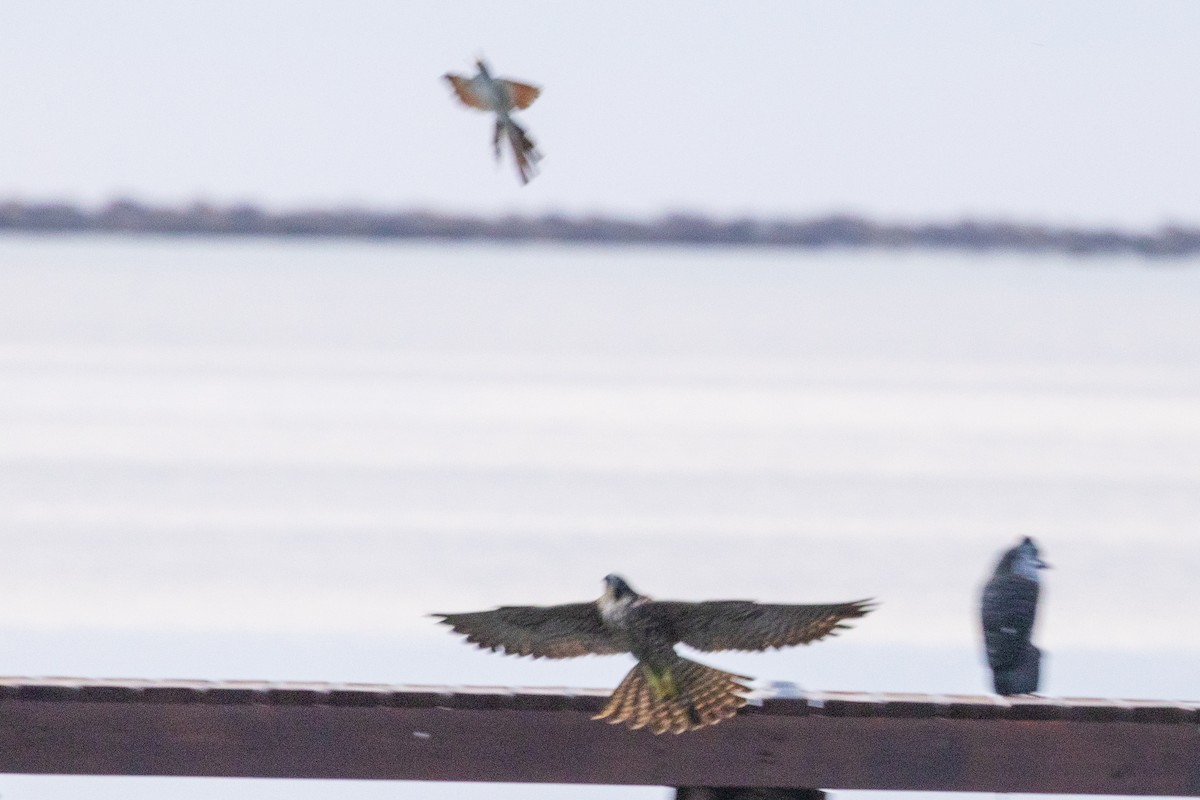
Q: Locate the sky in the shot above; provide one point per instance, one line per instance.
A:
(1063, 112)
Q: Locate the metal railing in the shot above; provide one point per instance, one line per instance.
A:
(429, 733)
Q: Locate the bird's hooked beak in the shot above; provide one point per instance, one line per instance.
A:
(1038, 563)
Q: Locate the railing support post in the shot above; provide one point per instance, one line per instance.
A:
(745, 793)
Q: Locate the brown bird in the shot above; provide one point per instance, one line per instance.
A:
(664, 691)
(501, 96)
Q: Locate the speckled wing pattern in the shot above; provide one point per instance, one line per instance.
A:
(745, 625)
(564, 631)
(1009, 608)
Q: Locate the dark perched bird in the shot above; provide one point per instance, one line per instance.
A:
(501, 97)
(664, 691)
(1007, 612)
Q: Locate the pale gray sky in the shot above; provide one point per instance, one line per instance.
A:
(1081, 112)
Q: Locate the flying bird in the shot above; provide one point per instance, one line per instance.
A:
(664, 691)
(1007, 613)
(501, 97)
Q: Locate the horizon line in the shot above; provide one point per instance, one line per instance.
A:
(680, 228)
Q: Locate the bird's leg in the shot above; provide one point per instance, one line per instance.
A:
(673, 687)
(661, 681)
(496, 137)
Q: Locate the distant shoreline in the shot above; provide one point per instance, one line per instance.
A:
(833, 231)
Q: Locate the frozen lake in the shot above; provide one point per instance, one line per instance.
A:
(270, 459)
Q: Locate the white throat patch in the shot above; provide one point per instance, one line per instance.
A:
(1026, 564)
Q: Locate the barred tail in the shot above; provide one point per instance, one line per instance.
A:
(524, 150)
(688, 696)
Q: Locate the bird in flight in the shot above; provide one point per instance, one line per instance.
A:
(501, 97)
(1007, 612)
(664, 691)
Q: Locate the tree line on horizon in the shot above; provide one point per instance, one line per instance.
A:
(832, 231)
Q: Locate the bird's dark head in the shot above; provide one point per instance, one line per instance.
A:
(482, 65)
(615, 588)
(1023, 560)
(1029, 551)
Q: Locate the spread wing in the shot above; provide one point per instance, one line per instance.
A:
(521, 95)
(746, 625)
(1007, 612)
(462, 88)
(562, 631)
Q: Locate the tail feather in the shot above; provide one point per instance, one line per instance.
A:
(525, 152)
(705, 697)
(634, 696)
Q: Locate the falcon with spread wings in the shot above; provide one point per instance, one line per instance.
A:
(501, 96)
(664, 691)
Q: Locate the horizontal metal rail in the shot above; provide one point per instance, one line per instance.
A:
(825, 740)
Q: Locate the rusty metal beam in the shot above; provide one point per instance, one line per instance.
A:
(826, 740)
